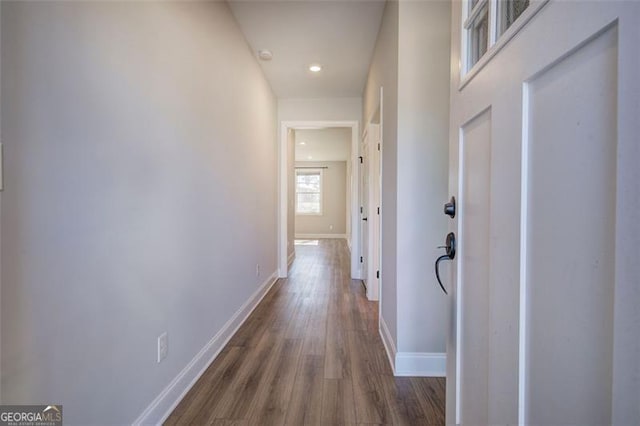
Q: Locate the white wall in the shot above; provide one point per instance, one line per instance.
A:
(423, 164)
(320, 109)
(328, 144)
(140, 159)
(411, 63)
(384, 72)
(334, 201)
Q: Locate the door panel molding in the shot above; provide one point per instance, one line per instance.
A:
(474, 261)
(573, 158)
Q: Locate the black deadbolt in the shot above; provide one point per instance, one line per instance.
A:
(450, 208)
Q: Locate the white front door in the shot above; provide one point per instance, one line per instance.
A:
(544, 156)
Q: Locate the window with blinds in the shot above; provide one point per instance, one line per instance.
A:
(309, 191)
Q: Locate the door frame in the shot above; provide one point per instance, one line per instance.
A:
(364, 174)
(283, 186)
(374, 224)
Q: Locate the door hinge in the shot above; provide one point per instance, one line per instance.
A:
(378, 147)
(360, 209)
(361, 159)
(378, 210)
(378, 274)
(361, 260)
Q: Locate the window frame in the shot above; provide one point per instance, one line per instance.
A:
(496, 41)
(309, 171)
(470, 24)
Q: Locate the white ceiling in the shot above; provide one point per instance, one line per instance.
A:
(339, 35)
(331, 144)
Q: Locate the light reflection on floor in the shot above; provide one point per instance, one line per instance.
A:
(306, 242)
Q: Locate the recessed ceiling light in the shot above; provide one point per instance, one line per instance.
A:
(265, 55)
(315, 68)
(309, 158)
(303, 143)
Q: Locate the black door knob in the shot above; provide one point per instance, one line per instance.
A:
(450, 208)
(450, 247)
(364, 218)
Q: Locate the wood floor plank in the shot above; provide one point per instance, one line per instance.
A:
(316, 330)
(229, 422)
(338, 406)
(368, 392)
(403, 402)
(210, 386)
(337, 364)
(310, 353)
(271, 406)
(299, 319)
(431, 396)
(235, 402)
(305, 405)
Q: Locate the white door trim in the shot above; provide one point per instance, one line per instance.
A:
(283, 188)
(374, 156)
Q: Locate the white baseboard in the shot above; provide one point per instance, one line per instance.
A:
(421, 364)
(319, 236)
(412, 364)
(291, 258)
(162, 406)
(389, 346)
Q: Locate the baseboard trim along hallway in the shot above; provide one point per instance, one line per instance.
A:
(161, 407)
(421, 364)
(389, 346)
(412, 364)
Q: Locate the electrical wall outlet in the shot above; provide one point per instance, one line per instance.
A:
(257, 269)
(330, 227)
(163, 346)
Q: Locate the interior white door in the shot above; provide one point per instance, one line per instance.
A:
(364, 209)
(374, 211)
(372, 166)
(545, 288)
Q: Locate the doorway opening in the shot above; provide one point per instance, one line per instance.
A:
(304, 181)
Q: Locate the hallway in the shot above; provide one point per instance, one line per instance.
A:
(310, 353)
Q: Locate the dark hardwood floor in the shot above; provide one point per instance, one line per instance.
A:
(310, 353)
